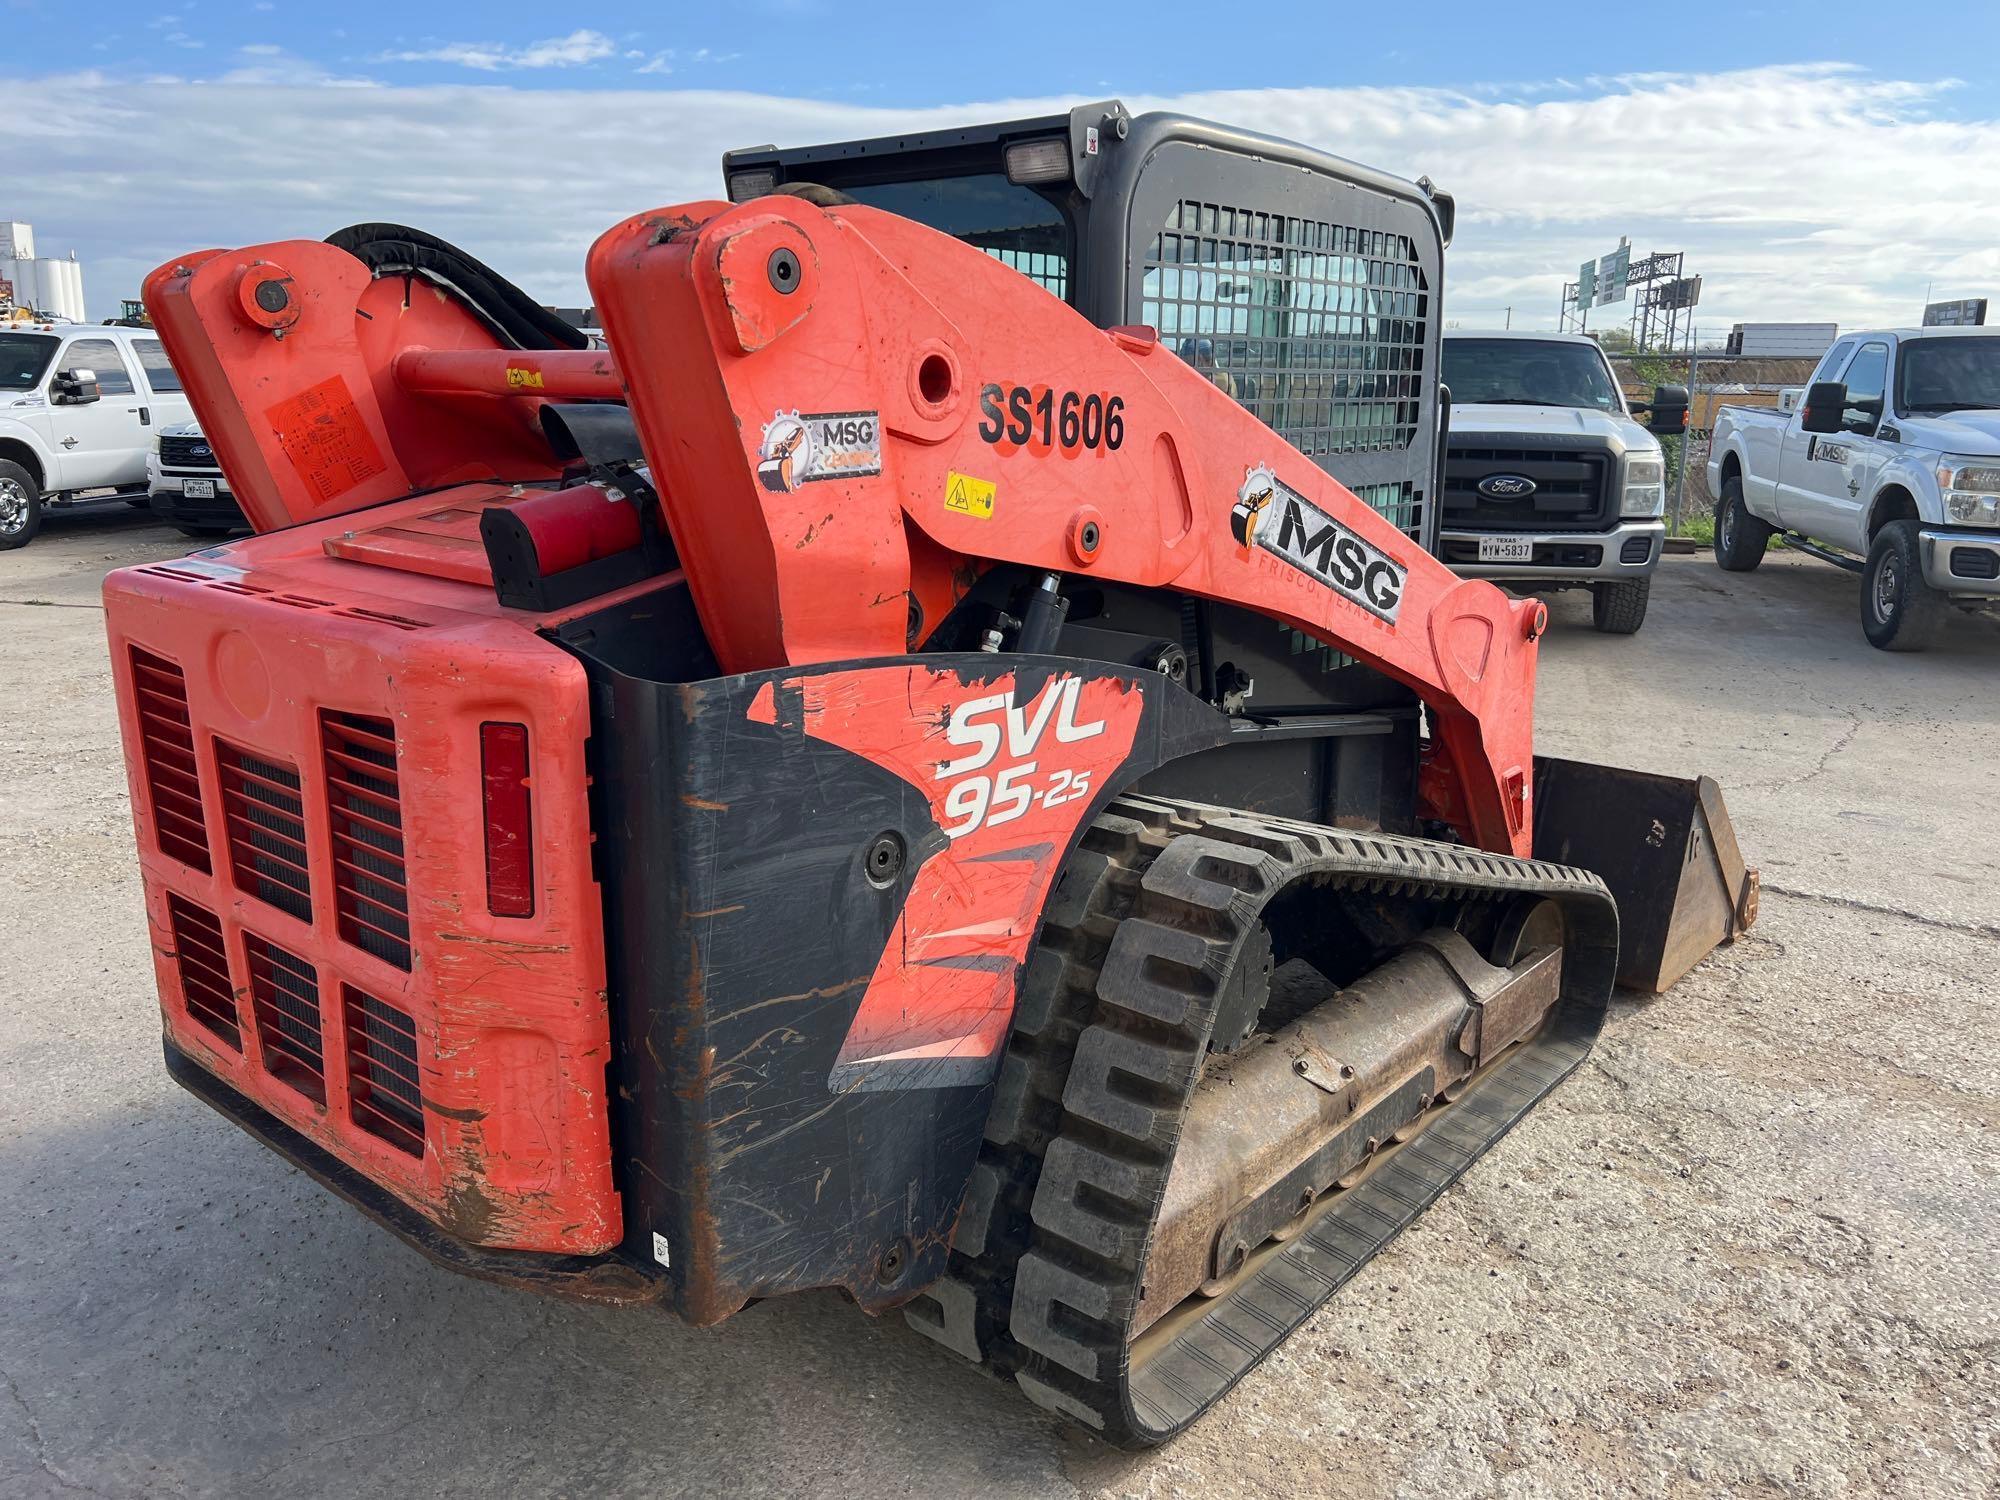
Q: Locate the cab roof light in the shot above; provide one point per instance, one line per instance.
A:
(755, 183)
(1044, 160)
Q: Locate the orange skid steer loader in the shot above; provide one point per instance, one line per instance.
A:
(938, 763)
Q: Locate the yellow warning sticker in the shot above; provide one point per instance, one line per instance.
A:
(969, 496)
(524, 379)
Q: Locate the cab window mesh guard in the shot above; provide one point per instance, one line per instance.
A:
(1318, 329)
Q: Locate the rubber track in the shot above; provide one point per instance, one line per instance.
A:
(1142, 936)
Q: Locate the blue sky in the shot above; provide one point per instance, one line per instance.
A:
(1815, 159)
(902, 50)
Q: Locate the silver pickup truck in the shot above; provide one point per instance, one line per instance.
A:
(1890, 468)
(1549, 483)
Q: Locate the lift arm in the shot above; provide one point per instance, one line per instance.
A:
(843, 408)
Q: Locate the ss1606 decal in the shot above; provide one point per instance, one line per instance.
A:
(1043, 418)
(799, 447)
(1272, 515)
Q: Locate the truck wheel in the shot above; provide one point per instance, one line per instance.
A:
(1620, 608)
(1740, 538)
(1899, 611)
(20, 506)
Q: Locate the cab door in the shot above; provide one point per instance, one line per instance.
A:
(1838, 469)
(1793, 473)
(103, 442)
(169, 402)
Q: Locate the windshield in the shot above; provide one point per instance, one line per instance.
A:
(1014, 224)
(1949, 375)
(24, 358)
(1525, 372)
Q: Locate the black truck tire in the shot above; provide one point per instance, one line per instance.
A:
(1620, 608)
(1740, 538)
(20, 506)
(1899, 611)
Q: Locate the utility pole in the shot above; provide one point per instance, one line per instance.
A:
(1510, 317)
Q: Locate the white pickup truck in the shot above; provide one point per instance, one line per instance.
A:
(1549, 483)
(79, 406)
(1889, 467)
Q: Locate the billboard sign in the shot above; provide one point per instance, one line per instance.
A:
(1969, 312)
(1611, 272)
(1675, 295)
(1586, 285)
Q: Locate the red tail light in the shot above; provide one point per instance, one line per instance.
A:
(510, 842)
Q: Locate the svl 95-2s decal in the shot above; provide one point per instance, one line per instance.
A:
(978, 799)
(1008, 764)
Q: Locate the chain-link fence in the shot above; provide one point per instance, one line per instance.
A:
(1713, 381)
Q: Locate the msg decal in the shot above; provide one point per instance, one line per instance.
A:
(1272, 515)
(800, 447)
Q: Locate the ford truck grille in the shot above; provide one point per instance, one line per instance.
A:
(1572, 488)
(188, 453)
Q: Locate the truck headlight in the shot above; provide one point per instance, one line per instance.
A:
(1971, 492)
(1645, 486)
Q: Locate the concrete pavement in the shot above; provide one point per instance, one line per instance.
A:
(1749, 1248)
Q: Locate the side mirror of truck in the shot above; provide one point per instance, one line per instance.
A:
(1825, 401)
(1668, 410)
(1869, 418)
(74, 387)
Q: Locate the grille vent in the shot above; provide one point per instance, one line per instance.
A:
(284, 1000)
(384, 1088)
(365, 813)
(204, 971)
(267, 832)
(173, 782)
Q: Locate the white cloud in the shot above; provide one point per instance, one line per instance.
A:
(572, 51)
(1804, 192)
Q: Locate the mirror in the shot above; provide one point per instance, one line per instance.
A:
(1669, 408)
(1825, 401)
(1863, 414)
(76, 387)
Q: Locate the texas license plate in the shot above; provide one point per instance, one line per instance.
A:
(1506, 549)
(204, 489)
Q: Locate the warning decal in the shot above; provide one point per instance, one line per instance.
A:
(969, 496)
(322, 433)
